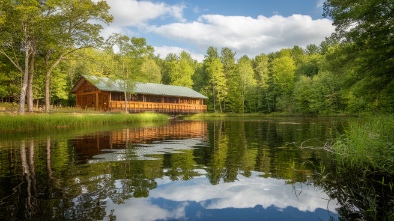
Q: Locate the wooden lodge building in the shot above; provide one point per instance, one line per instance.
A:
(100, 93)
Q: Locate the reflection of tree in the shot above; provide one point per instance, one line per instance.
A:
(52, 180)
(27, 160)
(182, 166)
(220, 145)
(248, 162)
(362, 195)
(53, 186)
(236, 149)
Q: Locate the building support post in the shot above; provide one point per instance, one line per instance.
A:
(96, 103)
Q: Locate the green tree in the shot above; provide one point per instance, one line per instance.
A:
(364, 29)
(283, 70)
(150, 71)
(140, 53)
(261, 70)
(246, 79)
(215, 70)
(19, 23)
(166, 67)
(121, 68)
(283, 74)
(180, 69)
(227, 57)
(204, 75)
(183, 76)
(54, 29)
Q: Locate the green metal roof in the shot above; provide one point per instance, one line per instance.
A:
(106, 84)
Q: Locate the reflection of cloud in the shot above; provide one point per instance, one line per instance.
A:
(142, 209)
(172, 199)
(245, 193)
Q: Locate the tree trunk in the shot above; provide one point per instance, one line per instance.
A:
(47, 89)
(22, 98)
(48, 80)
(30, 96)
(214, 98)
(268, 102)
(125, 99)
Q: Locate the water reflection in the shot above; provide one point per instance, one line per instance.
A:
(215, 170)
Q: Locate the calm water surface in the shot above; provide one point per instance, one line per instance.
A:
(186, 170)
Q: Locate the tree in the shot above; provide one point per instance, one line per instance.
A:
(19, 22)
(120, 68)
(283, 73)
(364, 29)
(227, 57)
(150, 71)
(246, 78)
(283, 70)
(260, 64)
(140, 53)
(215, 70)
(181, 70)
(68, 29)
(52, 29)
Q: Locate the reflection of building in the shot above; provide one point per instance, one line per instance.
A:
(88, 146)
(105, 94)
(174, 131)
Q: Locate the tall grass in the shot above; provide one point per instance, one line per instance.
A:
(10, 123)
(368, 144)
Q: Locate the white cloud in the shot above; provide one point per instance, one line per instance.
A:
(138, 13)
(246, 35)
(320, 3)
(163, 51)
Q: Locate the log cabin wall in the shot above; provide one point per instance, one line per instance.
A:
(89, 96)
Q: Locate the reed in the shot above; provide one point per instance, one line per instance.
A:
(367, 144)
(10, 123)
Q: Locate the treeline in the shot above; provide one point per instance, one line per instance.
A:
(351, 71)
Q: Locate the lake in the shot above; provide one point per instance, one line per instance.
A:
(244, 169)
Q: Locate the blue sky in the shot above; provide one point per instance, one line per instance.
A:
(248, 27)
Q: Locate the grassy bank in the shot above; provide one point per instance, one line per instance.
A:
(368, 144)
(10, 123)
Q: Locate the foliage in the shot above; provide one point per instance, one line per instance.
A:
(368, 144)
(217, 81)
(364, 30)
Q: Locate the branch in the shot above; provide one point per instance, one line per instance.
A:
(11, 60)
(63, 55)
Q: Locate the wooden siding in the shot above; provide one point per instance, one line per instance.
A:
(170, 108)
(89, 97)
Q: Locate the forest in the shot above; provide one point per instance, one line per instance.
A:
(45, 46)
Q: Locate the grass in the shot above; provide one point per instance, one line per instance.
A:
(11, 123)
(367, 144)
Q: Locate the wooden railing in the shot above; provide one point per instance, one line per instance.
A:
(170, 108)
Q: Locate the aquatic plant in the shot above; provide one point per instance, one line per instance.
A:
(368, 143)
